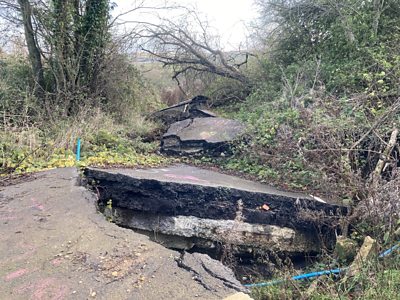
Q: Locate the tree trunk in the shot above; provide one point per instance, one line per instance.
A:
(376, 175)
(378, 9)
(34, 53)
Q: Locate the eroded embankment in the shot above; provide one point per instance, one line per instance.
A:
(190, 208)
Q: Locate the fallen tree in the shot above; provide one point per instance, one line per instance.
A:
(187, 45)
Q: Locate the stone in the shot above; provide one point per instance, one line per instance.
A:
(367, 251)
(239, 296)
(209, 134)
(345, 249)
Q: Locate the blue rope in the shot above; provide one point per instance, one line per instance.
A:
(317, 274)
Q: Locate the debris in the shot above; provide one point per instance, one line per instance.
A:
(205, 270)
(265, 207)
(367, 251)
(193, 108)
(238, 296)
(345, 249)
(317, 199)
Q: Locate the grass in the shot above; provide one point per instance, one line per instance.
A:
(378, 279)
(104, 143)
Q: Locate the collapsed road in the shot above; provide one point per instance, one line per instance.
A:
(54, 244)
(188, 207)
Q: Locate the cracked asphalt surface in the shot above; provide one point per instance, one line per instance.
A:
(55, 245)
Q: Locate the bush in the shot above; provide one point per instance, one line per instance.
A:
(18, 107)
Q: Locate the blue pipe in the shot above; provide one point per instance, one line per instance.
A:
(78, 150)
(388, 251)
(319, 273)
(298, 277)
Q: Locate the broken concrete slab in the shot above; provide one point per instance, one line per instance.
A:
(211, 135)
(202, 266)
(193, 129)
(193, 108)
(198, 230)
(191, 191)
(188, 201)
(55, 245)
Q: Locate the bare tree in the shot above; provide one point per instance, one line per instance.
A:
(187, 45)
(33, 48)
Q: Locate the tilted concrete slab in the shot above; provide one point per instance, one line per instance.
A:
(210, 130)
(183, 110)
(186, 174)
(169, 196)
(209, 134)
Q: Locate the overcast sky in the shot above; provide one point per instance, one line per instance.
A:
(229, 17)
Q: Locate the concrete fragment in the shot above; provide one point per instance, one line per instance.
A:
(345, 249)
(238, 296)
(203, 267)
(367, 251)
